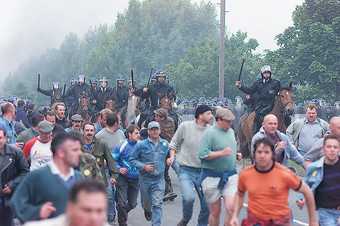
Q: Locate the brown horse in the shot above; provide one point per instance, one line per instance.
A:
(283, 106)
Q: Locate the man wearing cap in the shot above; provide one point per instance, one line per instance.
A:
(38, 149)
(219, 177)
(149, 158)
(186, 143)
(263, 92)
(76, 121)
(167, 125)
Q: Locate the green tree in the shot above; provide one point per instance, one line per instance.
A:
(309, 51)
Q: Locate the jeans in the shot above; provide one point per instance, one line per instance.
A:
(168, 185)
(6, 215)
(127, 193)
(152, 191)
(111, 210)
(329, 217)
(189, 180)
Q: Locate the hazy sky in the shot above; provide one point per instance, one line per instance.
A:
(29, 27)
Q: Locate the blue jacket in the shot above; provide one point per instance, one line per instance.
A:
(121, 154)
(147, 152)
(314, 174)
(289, 153)
(10, 130)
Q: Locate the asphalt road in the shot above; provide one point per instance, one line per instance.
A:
(172, 211)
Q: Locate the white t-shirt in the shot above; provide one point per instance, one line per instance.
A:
(40, 155)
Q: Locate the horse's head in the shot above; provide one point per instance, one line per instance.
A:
(286, 99)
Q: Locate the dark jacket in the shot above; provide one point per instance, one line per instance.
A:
(55, 94)
(62, 122)
(122, 95)
(159, 90)
(263, 93)
(13, 168)
(21, 115)
(101, 96)
(103, 156)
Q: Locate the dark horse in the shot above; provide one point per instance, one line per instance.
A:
(283, 108)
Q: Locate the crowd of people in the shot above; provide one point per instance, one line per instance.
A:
(74, 171)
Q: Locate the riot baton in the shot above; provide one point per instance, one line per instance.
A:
(64, 90)
(132, 79)
(38, 80)
(240, 74)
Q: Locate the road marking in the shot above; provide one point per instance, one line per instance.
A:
(294, 220)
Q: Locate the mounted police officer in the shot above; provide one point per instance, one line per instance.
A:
(102, 94)
(78, 89)
(56, 93)
(263, 93)
(160, 90)
(121, 93)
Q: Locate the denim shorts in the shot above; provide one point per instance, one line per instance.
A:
(329, 217)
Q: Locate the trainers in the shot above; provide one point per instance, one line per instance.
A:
(148, 215)
(182, 223)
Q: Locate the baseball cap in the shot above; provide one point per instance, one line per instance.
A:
(225, 114)
(45, 126)
(154, 124)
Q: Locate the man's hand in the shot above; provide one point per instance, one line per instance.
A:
(20, 145)
(307, 163)
(7, 190)
(227, 151)
(123, 171)
(239, 156)
(170, 160)
(149, 168)
(300, 203)
(280, 146)
(238, 84)
(113, 180)
(234, 221)
(46, 210)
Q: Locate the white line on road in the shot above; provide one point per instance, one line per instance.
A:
(294, 220)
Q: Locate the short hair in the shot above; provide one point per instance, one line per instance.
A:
(3, 130)
(105, 111)
(36, 118)
(265, 141)
(311, 107)
(59, 104)
(88, 123)
(7, 107)
(111, 119)
(330, 137)
(60, 138)
(88, 186)
(130, 129)
(50, 113)
(20, 103)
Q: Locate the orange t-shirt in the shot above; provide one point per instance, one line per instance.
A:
(268, 192)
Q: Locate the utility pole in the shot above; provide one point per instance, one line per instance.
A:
(221, 57)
